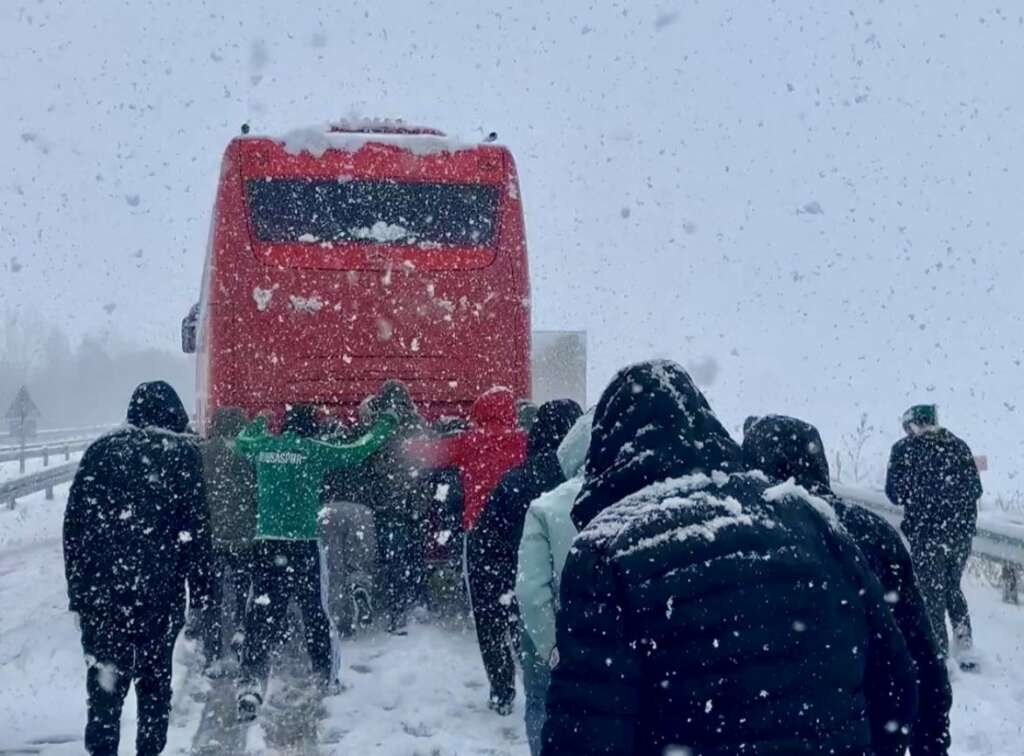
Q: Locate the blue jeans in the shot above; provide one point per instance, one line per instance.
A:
(536, 678)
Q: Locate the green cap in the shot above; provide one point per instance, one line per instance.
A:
(921, 415)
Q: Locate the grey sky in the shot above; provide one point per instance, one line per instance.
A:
(822, 197)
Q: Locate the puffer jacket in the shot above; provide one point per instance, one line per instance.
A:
(786, 448)
(705, 610)
(135, 527)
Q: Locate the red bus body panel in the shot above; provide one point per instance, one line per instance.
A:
(287, 323)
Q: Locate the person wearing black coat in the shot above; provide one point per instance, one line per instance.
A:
(135, 533)
(705, 611)
(933, 476)
(492, 548)
(783, 448)
(397, 492)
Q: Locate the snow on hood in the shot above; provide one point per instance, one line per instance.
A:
(651, 423)
(157, 405)
(353, 136)
(784, 447)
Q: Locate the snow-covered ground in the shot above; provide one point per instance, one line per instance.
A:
(422, 694)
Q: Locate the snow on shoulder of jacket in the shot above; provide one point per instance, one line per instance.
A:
(697, 613)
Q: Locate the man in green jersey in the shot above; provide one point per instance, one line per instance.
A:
(289, 471)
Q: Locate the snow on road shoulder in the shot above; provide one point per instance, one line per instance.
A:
(33, 520)
(421, 694)
(987, 705)
(425, 693)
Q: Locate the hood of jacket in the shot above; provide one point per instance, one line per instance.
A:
(651, 424)
(227, 422)
(784, 447)
(495, 408)
(394, 397)
(553, 421)
(157, 405)
(572, 452)
(301, 420)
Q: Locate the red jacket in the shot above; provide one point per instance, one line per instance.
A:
(492, 446)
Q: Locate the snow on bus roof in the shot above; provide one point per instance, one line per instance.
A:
(353, 135)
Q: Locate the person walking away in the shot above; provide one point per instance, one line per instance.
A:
(399, 497)
(707, 612)
(135, 535)
(785, 448)
(492, 548)
(348, 536)
(548, 533)
(289, 472)
(231, 501)
(933, 476)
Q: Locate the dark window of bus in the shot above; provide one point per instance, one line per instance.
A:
(373, 212)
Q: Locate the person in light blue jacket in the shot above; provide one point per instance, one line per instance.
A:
(547, 537)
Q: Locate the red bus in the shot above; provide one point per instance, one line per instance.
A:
(342, 257)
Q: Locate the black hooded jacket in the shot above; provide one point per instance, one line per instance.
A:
(493, 547)
(703, 610)
(933, 476)
(135, 527)
(395, 487)
(783, 448)
(230, 482)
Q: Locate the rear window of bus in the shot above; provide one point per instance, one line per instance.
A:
(372, 212)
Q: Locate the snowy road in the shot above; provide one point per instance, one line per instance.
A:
(422, 694)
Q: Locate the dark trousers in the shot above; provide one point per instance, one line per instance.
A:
(232, 566)
(400, 550)
(939, 568)
(536, 680)
(497, 622)
(285, 570)
(118, 655)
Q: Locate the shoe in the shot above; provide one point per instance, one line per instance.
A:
(330, 688)
(499, 707)
(968, 661)
(363, 608)
(396, 626)
(248, 706)
(216, 670)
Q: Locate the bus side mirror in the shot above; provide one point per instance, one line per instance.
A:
(189, 326)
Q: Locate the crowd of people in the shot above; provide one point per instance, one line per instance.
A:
(659, 585)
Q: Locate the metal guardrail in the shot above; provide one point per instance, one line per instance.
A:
(58, 434)
(991, 542)
(47, 450)
(12, 490)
